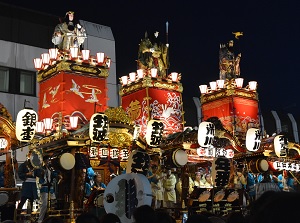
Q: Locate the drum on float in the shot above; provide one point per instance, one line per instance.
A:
(204, 196)
(232, 195)
(175, 158)
(64, 161)
(258, 166)
(3, 198)
(35, 159)
(219, 195)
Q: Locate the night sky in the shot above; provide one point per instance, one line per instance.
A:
(269, 47)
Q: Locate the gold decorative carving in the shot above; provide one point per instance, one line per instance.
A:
(72, 66)
(119, 139)
(94, 163)
(226, 93)
(4, 113)
(150, 82)
(118, 115)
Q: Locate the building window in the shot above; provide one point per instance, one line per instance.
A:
(16, 81)
(27, 82)
(4, 77)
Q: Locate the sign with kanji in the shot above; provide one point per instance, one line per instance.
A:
(215, 152)
(99, 126)
(154, 132)
(220, 171)
(206, 134)
(138, 162)
(26, 125)
(253, 139)
(281, 145)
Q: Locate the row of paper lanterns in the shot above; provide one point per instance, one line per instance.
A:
(206, 133)
(27, 125)
(99, 126)
(140, 73)
(50, 57)
(220, 84)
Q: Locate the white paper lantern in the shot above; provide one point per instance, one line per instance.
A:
(26, 124)
(253, 139)
(114, 153)
(280, 145)
(206, 134)
(154, 132)
(220, 170)
(229, 153)
(99, 126)
(138, 162)
(3, 143)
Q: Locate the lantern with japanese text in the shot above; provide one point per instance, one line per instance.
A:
(220, 171)
(26, 124)
(280, 145)
(206, 134)
(215, 152)
(138, 162)
(253, 139)
(98, 127)
(3, 144)
(154, 132)
(124, 154)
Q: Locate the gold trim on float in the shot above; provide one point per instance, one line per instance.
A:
(152, 83)
(228, 92)
(71, 66)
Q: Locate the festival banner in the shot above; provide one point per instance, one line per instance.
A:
(69, 94)
(164, 105)
(242, 111)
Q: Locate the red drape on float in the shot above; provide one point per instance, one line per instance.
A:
(164, 105)
(228, 110)
(69, 93)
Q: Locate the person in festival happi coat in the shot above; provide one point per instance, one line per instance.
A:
(156, 186)
(199, 181)
(90, 175)
(29, 189)
(208, 181)
(251, 181)
(98, 184)
(184, 181)
(239, 180)
(286, 182)
(95, 184)
(93, 188)
(265, 185)
(169, 183)
(46, 179)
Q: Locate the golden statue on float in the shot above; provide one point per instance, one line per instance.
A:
(153, 54)
(69, 33)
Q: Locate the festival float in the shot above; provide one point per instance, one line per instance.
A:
(232, 113)
(76, 128)
(74, 125)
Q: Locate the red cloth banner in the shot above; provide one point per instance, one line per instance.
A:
(242, 111)
(162, 104)
(72, 94)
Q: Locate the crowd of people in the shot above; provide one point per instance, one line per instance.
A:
(166, 187)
